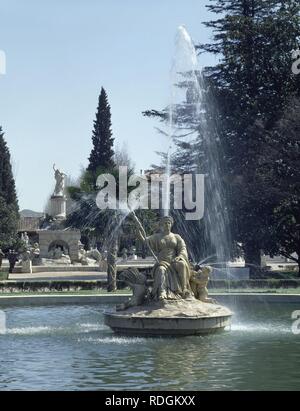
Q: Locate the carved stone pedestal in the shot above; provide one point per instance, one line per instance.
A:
(58, 207)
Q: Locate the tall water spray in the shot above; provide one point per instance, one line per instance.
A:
(184, 61)
(189, 110)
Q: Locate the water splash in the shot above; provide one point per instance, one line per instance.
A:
(31, 330)
(114, 340)
(184, 61)
(189, 122)
(260, 328)
(78, 328)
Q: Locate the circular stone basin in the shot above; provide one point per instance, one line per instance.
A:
(169, 318)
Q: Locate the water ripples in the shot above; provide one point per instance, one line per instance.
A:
(69, 347)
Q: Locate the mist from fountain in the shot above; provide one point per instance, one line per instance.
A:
(187, 123)
(188, 109)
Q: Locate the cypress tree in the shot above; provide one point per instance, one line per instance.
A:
(102, 154)
(9, 210)
(101, 160)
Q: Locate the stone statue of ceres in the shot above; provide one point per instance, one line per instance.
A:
(171, 273)
(60, 182)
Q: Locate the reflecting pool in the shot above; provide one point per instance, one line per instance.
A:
(70, 348)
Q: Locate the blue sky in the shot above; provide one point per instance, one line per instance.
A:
(59, 53)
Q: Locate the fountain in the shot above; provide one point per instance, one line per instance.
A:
(175, 301)
(190, 124)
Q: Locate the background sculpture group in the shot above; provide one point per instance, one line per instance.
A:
(60, 182)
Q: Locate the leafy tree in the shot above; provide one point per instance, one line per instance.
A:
(122, 158)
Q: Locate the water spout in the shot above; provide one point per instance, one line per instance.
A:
(189, 110)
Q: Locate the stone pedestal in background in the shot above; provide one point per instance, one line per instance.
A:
(27, 266)
(58, 207)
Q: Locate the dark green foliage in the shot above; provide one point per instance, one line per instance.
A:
(7, 183)
(281, 178)
(85, 214)
(252, 85)
(103, 225)
(8, 225)
(102, 153)
(246, 96)
(9, 211)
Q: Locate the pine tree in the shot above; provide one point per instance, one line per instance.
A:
(102, 155)
(8, 199)
(252, 85)
(281, 174)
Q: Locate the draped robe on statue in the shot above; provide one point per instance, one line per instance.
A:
(171, 278)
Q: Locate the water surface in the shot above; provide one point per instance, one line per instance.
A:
(69, 348)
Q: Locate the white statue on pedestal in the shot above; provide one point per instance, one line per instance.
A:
(60, 182)
(25, 239)
(26, 262)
